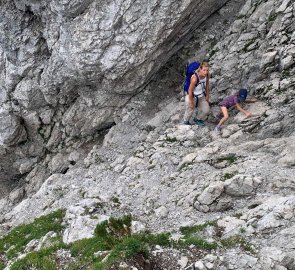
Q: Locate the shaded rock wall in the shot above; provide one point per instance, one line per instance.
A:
(67, 66)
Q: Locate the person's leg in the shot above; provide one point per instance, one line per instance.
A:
(219, 115)
(222, 120)
(225, 116)
(203, 108)
(188, 111)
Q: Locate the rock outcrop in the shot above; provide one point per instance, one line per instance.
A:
(169, 175)
(66, 67)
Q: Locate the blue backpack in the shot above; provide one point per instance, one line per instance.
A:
(190, 70)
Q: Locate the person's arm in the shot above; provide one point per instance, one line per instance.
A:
(207, 87)
(191, 88)
(239, 107)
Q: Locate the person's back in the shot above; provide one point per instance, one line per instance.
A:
(228, 102)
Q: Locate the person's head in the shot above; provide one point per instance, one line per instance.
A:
(242, 95)
(203, 70)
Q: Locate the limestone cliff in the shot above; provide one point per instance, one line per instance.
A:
(87, 135)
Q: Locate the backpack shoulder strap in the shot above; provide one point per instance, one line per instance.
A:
(198, 78)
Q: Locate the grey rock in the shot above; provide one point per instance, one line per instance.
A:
(211, 193)
(12, 130)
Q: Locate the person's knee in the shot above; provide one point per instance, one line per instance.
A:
(205, 108)
(225, 117)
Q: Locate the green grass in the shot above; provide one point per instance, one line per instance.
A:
(41, 260)
(19, 237)
(192, 237)
(189, 230)
(198, 242)
(114, 236)
(235, 241)
(111, 244)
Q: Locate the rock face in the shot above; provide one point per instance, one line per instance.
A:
(166, 174)
(66, 67)
(12, 131)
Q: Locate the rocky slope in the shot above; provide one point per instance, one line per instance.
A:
(168, 175)
(66, 67)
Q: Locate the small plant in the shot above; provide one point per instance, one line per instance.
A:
(231, 158)
(170, 139)
(272, 17)
(242, 230)
(196, 228)
(191, 236)
(230, 175)
(254, 225)
(237, 215)
(285, 74)
(237, 241)
(200, 243)
(116, 200)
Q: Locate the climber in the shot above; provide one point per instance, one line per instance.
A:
(229, 102)
(197, 96)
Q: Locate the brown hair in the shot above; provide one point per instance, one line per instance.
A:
(204, 64)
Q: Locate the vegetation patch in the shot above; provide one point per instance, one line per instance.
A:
(239, 241)
(272, 17)
(191, 236)
(237, 215)
(15, 242)
(170, 139)
(189, 230)
(229, 175)
(285, 74)
(39, 260)
(112, 243)
(116, 200)
(231, 158)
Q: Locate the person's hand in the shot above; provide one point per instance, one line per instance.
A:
(248, 114)
(207, 99)
(191, 105)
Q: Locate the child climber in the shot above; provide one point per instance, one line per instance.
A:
(229, 102)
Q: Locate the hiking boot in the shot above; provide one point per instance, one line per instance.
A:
(217, 130)
(187, 123)
(199, 122)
